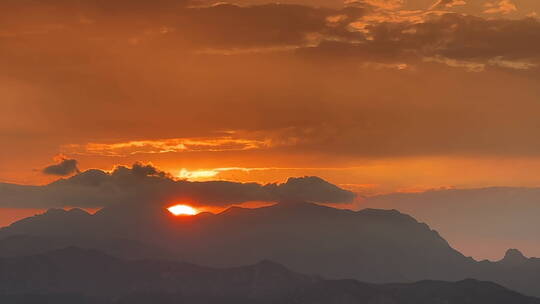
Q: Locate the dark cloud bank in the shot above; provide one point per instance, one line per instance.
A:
(144, 184)
(63, 168)
(183, 26)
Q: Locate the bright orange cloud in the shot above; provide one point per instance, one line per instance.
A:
(500, 7)
(216, 144)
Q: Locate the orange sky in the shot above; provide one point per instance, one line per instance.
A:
(7, 216)
(374, 95)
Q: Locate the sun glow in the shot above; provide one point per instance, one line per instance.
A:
(182, 210)
(184, 173)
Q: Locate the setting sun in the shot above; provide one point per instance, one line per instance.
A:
(182, 210)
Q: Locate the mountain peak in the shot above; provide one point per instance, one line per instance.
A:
(514, 257)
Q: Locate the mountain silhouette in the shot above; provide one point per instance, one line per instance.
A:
(23, 245)
(514, 257)
(483, 220)
(74, 270)
(74, 275)
(377, 246)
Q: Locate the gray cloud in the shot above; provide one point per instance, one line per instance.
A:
(63, 168)
(451, 36)
(312, 188)
(169, 24)
(144, 184)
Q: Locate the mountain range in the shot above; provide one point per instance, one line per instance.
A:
(375, 246)
(74, 275)
(483, 221)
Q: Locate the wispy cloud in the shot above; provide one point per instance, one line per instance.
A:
(445, 4)
(209, 144)
(211, 173)
(500, 7)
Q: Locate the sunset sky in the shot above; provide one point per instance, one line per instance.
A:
(375, 96)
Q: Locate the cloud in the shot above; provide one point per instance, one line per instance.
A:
(209, 144)
(140, 170)
(500, 7)
(145, 184)
(63, 168)
(173, 23)
(445, 4)
(449, 35)
(232, 29)
(158, 79)
(312, 188)
(385, 4)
